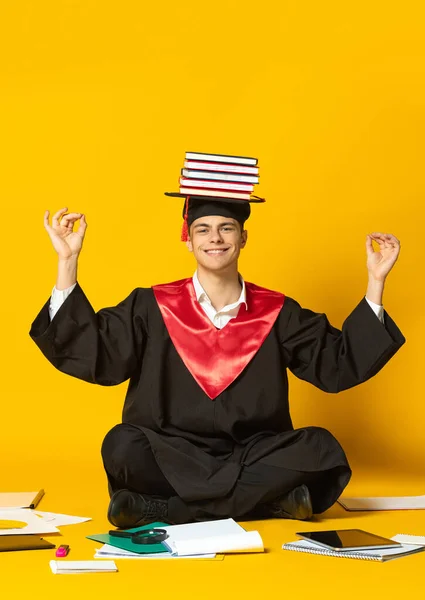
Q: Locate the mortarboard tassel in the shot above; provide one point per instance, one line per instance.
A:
(185, 229)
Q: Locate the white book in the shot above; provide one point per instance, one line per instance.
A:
(82, 566)
(383, 503)
(382, 555)
(222, 158)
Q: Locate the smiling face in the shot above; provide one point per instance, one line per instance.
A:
(216, 242)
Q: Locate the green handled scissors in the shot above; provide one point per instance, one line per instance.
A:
(145, 536)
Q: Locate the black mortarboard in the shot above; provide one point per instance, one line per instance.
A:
(203, 206)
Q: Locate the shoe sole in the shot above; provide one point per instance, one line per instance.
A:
(303, 498)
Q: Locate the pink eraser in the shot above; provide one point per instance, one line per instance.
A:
(62, 551)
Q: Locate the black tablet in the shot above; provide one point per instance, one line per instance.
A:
(341, 540)
(23, 542)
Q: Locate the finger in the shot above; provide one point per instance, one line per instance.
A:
(56, 216)
(392, 238)
(69, 219)
(46, 220)
(379, 240)
(83, 226)
(387, 240)
(369, 245)
(387, 237)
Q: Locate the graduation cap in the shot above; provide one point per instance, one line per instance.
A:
(225, 194)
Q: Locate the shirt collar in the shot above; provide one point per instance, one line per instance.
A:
(201, 293)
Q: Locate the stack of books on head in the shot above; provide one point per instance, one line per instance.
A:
(219, 175)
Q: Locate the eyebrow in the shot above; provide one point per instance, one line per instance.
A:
(220, 224)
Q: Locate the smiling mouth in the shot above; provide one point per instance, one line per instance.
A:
(216, 252)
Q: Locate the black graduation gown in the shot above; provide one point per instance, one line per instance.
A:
(201, 444)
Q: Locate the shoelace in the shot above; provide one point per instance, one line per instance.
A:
(154, 508)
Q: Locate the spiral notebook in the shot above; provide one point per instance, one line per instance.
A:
(376, 555)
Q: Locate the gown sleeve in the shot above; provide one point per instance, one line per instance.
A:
(103, 347)
(335, 360)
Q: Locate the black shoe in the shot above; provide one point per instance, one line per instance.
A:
(296, 504)
(128, 509)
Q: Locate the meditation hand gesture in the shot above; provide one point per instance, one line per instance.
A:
(380, 263)
(66, 242)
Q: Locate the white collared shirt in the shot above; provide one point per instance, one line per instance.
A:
(218, 318)
(221, 317)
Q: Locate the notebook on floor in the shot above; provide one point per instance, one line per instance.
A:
(382, 555)
(20, 499)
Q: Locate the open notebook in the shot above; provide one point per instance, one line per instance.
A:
(378, 555)
(190, 539)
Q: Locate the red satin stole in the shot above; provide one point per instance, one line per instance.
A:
(216, 357)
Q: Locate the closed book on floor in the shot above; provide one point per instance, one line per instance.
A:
(382, 555)
(20, 499)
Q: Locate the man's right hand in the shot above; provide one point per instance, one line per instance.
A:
(66, 242)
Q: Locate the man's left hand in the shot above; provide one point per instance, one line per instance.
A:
(380, 263)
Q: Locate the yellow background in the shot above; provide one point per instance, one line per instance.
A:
(99, 102)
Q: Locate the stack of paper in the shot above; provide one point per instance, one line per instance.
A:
(200, 540)
(107, 551)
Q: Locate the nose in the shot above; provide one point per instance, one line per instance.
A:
(215, 236)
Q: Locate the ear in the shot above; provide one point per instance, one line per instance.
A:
(189, 245)
(244, 238)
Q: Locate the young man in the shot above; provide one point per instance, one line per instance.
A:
(206, 429)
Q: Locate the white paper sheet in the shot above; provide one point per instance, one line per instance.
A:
(247, 541)
(402, 538)
(82, 566)
(34, 523)
(107, 551)
(384, 503)
(203, 529)
(58, 519)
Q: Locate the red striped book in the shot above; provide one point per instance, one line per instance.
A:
(217, 193)
(217, 185)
